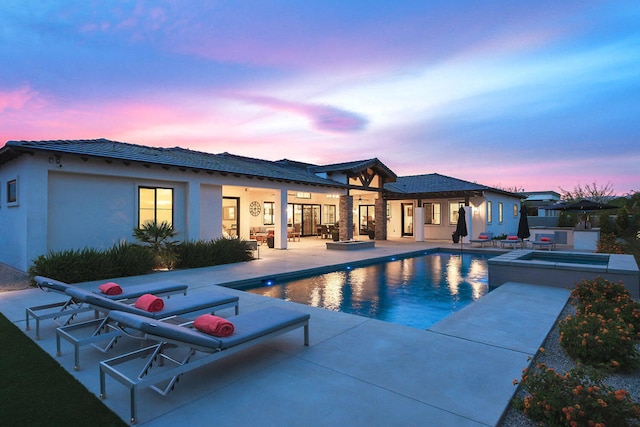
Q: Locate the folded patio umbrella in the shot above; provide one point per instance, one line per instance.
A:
(523, 224)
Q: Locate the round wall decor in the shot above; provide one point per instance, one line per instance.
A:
(254, 208)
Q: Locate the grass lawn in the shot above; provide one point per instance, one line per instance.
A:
(36, 391)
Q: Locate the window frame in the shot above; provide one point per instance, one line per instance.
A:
(453, 213)
(500, 213)
(435, 218)
(155, 203)
(489, 212)
(12, 188)
(268, 213)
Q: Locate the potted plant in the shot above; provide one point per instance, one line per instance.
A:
(270, 239)
(335, 233)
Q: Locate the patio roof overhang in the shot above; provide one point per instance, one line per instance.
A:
(459, 194)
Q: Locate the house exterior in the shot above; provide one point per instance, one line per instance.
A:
(59, 195)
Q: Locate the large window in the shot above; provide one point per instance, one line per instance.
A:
(12, 191)
(454, 207)
(268, 217)
(329, 214)
(155, 205)
(432, 213)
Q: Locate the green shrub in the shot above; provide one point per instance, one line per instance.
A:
(194, 254)
(605, 328)
(158, 238)
(72, 265)
(128, 259)
(577, 398)
(83, 265)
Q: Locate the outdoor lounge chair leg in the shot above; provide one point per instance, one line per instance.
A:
(133, 393)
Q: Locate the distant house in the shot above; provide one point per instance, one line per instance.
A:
(536, 202)
(58, 195)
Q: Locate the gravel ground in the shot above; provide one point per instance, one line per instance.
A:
(555, 357)
(12, 279)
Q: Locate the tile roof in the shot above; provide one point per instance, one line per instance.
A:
(436, 184)
(177, 157)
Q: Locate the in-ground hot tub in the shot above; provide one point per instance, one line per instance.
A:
(563, 269)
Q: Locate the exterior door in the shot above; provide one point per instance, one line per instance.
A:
(366, 219)
(230, 216)
(407, 219)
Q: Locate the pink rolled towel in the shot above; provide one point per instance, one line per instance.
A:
(512, 238)
(213, 325)
(110, 288)
(149, 302)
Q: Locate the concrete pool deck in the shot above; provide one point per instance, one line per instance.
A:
(356, 371)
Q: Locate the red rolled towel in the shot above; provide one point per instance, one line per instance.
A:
(149, 302)
(213, 325)
(512, 238)
(483, 237)
(545, 239)
(110, 288)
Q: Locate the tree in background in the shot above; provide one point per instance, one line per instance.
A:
(590, 191)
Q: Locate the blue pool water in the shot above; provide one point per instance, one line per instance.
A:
(416, 292)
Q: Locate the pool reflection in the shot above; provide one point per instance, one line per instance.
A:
(414, 292)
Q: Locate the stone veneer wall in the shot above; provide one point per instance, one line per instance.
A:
(346, 217)
(381, 218)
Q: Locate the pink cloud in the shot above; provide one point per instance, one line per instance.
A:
(323, 117)
(16, 99)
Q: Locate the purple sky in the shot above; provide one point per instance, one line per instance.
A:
(530, 94)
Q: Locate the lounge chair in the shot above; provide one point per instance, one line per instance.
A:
(544, 241)
(485, 237)
(99, 330)
(70, 308)
(512, 241)
(160, 371)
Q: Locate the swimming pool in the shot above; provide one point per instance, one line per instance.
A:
(416, 292)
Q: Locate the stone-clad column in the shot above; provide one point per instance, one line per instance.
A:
(381, 219)
(346, 217)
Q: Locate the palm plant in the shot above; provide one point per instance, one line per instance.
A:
(159, 239)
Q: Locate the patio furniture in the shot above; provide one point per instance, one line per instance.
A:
(484, 238)
(512, 241)
(543, 240)
(293, 233)
(181, 349)
(69, 308)
(99, 329)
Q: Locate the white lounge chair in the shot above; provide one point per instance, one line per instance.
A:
(69, 308)
(99, 330)
(544, 241)
(160, 371)
(512, 241)
(484, 238)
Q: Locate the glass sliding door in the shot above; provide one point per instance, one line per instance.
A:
(304, 218)
(366, 219)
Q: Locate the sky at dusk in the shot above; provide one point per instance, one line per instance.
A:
(539, 95)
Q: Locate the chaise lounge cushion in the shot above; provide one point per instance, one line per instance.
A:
(172, 307)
